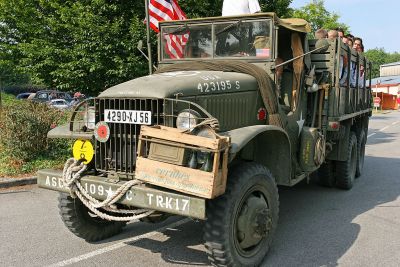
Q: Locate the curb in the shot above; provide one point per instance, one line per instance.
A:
(10, 182)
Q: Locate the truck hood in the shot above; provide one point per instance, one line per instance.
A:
(184, 83)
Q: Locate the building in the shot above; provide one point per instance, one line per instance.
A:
(387, 86)
(391, 69)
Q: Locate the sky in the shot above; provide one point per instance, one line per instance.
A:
(376, 22)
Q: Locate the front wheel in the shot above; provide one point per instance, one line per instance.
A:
(241, 223)
(79, 221)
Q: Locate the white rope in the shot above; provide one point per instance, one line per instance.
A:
(71, 178)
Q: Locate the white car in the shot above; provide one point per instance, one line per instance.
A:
(59, 103)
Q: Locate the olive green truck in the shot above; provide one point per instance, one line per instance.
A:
(238, 106)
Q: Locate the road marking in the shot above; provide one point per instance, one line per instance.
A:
(384, 128)
(119, 245)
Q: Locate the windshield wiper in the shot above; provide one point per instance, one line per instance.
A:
(230, 26)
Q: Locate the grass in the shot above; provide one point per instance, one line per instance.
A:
(12, 167)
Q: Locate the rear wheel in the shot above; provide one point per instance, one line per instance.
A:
(346, 170)
(361, 141)
(79, 221)
(241, 223)
(326, 174)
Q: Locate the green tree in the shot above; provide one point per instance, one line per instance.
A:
(208, 8)
(75, 45)
(280, 7)
(393, 57)
(319, 17)
(10, 74)
(378, 57)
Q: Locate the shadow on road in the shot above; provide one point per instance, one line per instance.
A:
(179, 246)
(381, 137)
(316, 225)
(380, 117)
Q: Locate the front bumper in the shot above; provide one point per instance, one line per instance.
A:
(140, 196)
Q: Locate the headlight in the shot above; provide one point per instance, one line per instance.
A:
(206, 132)
(187, 119)
(89, 118)
(202, 159)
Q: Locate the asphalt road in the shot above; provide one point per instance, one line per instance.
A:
(317, 226)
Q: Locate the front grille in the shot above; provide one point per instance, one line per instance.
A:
(118, 154)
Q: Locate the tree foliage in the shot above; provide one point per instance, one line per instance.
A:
(280, 7)
(208, 8)
(86, 45)
(319, 17)
(378, 56)
(10, 73)
(75, 45)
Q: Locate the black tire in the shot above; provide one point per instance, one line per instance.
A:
(250, 206)
(76, 217)
(346, 170)
(326, 174)
(361, 141)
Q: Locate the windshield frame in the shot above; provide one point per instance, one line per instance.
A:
(163, 56)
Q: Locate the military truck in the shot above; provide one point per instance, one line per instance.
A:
(238, 106)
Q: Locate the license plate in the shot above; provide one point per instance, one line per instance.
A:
(127, 116)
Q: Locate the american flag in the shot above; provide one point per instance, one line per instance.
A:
(175, 44)
(160, 10)
(263, 52)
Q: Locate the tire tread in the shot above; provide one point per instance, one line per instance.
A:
(217, 245)
(71, 211)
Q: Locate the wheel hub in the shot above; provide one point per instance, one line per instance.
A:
(263, 223)
(254, 222)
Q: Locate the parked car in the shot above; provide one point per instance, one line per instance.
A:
(59, 104)
(24, 95)
(47, 95)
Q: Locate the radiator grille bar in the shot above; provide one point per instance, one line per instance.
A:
(118, 154)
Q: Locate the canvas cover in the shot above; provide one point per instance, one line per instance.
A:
(295, 24)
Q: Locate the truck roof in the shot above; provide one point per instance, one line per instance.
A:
(294, 24)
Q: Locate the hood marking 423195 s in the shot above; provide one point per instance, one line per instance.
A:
(216, 86)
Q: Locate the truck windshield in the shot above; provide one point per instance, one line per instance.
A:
(215, 40)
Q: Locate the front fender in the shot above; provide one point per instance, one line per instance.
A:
(266, 144)
(63, 131)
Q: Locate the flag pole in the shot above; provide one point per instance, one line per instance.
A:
(148, 37)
